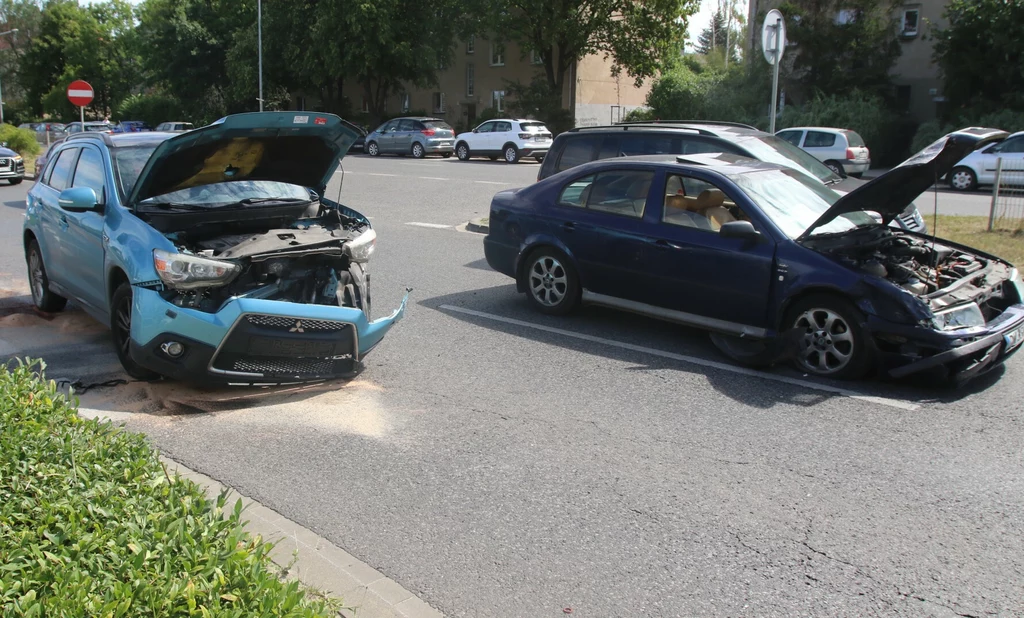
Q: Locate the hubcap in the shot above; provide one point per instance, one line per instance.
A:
(373, 150)
(827, 345)
(462, 153)
(961, 180)
(417, 150)
(35, 267)
(510, 155)
(548, 281)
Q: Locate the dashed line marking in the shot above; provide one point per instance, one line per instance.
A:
(693, 360)
(432, 178)
(436, 226)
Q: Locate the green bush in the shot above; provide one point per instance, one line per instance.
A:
(698, 89)
(22, 141)
(151, 109)
(640, 114)
(92, 525)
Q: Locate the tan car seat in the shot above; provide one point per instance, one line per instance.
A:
(710, 204)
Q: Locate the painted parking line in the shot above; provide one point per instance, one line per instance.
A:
(884, 401)
(491, 182)
(436, 226)
(432, 178)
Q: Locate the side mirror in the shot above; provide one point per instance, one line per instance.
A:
(476, 130)
(78, 199)
(739, 229)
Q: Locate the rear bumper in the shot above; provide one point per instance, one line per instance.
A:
(434, 147)
(501, 257)
(856, 167)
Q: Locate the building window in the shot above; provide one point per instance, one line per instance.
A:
(471, 44)
(439, 103)
(366, 106)
(406, 102)
(910, 21)
(535, 57)
(497, 54)
(498, 100)
(470, 80)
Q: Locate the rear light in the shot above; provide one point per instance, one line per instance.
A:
(524, 136)
(849, 154)
(428, 132)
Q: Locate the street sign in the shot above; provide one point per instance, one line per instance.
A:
(80, 93)
(773, 36)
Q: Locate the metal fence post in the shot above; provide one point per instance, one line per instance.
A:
(995, 194)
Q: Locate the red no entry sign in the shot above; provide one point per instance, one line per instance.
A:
(80, 93)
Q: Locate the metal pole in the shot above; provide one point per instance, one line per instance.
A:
(995, 194)
(775, 80)
(1, 105)
(259, 36)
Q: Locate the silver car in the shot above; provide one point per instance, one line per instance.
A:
(417, 136)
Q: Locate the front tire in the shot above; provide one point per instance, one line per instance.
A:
(511, 154)
(551, 282)
(121, 329)
(963, 179)
(42, 297)
(831, 342)
(373, 149)
(417, 151)
(16, 181)
(462, 152)
(835, 167)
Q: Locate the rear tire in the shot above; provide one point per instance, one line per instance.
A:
(511, 154)
(42, 297)
(121, 329)
(539, 158)
(551, 282)
(835, 167)
(963, 179)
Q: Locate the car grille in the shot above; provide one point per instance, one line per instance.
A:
(294, 324)
(4, 162)
(285, 366)
(912, 220)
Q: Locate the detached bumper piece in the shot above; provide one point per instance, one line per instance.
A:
(276, 348)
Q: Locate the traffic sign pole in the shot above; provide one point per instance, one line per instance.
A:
(773, 42)
(775, 85)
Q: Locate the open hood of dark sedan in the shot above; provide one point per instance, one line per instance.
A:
(892, 192)
(299, 148)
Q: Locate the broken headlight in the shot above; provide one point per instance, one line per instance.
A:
(360, 248)
(964, 316)
(188, 272)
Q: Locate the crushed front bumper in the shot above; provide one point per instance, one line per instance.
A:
(253, 340)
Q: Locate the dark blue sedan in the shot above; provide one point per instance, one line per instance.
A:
(771, 262)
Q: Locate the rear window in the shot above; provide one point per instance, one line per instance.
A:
(856, 141)
(437, 124)
(534, 127)
(578, 150)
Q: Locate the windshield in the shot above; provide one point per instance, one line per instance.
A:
(776, 150)
(128, 164)
(794, 202)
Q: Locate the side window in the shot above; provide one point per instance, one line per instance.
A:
(89, 173)
(793, 137)
(619, 192)
(388, 126)
(633, 145)
(819, 139)
(61, 173)
(697, 146)
(576, 192)
(577, 151)
(406, 125)
(1012, 145)
(504, 127)
(691, 202)
(486, 127)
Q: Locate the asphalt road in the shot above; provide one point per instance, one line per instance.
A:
(502, 463)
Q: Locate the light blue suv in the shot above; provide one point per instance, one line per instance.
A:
(213, 255)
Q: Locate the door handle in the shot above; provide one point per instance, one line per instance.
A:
(664, 244)
(568, 226)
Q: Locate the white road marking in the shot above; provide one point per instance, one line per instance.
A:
(491, 182)
(436, 226)
(378, 174)
(432, 178)
(885, 401)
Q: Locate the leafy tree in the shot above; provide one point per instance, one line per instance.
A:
(843, 45)
(713, 37)
(24, 15)
(980, 53)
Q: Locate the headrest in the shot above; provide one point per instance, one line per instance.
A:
(709, 198)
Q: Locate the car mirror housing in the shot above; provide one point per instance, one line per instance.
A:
(739, 229)
(78, 199)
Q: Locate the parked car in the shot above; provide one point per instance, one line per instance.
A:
(841, 150)
(98, 126)
(131, 126)
(584, 144)
(979, 167)
(174, 127)
(417, 136)
(42, 158)
(212, 255)
(50, 127)
(12, 166)
(767, 259)
(505, 137)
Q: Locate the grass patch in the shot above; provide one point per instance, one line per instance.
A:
(91, 524)
(973, 232)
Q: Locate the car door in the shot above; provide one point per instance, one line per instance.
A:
(478, 139)
(52, 218)
(599, 217)
(386, 136)
(402, 136)
(501, 135)
(1011, 151)
(695, 270)
(84, 250)
(822, 144)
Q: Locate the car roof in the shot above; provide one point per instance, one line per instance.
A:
(699, 127)
(122, 140)
(726, 164)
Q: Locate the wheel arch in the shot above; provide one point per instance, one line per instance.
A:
(814, 290)
(115, 277)
(512, 144)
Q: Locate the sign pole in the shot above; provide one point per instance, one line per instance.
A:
(775, 80)
(773, 43)
(81, 109)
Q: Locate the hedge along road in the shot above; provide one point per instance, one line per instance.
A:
(499, 463)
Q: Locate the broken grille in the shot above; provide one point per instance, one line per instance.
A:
(295, 324)
(285, 366)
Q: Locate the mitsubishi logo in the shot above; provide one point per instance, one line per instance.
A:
(297, 328)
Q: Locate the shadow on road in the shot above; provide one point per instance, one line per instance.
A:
(16, 204)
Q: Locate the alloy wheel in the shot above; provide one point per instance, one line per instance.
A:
(372, 149)
(827, 344)
(511, 155)
(463, 152)
(417, 150)
(38, 283)
(548, 281)
(123, 325)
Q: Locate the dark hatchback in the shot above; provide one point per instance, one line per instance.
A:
(771, 262)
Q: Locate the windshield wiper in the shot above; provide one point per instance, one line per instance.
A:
(173, 206)
(264, 200)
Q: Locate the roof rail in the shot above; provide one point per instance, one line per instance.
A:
(723, 123)
(644, 125)
(102, 136)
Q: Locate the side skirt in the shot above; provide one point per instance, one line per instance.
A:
(679, 317)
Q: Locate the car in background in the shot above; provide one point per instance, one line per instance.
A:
(240, 274)
(44, 156)
(174, 127)
(510, 139)
(98, 126)
(28, 125)
(360, 144)
(979, 167)
(418, 136)
(131, 126)
(12, 166)
(50, 127)
(841, 150)
(773, 263)
(584, 144)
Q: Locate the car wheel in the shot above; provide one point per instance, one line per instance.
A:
(373, 149)
(830, 340)
(963, 179)
(511, 154)
(835, 167)
(540, 159)
(446, 155)
(16, 181)
(42, 297)
(417, 151)
(462, 151)
(551, 282)
(121, 329)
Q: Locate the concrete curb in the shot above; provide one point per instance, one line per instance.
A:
(318, 563)
(480, 226)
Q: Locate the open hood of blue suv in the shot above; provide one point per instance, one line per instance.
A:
(299, 148)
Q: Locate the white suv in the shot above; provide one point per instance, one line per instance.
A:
(842, 150)
(506, 138)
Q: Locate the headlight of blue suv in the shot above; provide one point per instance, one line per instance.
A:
(188, 272)
(963, 316)
(360, 248)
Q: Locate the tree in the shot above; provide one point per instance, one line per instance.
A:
(713, 37)
(25, 16)
(843, 45)
(979, 54)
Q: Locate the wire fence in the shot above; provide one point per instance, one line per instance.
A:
(1007, 212)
